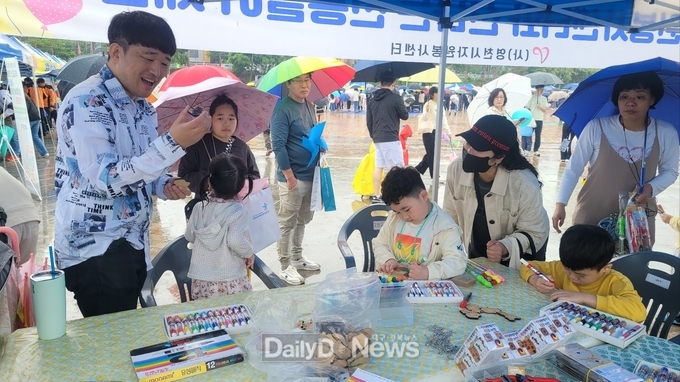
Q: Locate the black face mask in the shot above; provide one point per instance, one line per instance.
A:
(476, 164)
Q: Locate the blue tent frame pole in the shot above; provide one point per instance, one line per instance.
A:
(445, 23)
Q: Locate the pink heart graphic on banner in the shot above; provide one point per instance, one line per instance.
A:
(53, 11)
(540, 51)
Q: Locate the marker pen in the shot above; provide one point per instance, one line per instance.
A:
(631, 331)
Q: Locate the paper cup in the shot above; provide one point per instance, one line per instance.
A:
(49, 304)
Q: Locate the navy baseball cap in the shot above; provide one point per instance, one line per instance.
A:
(491, 132)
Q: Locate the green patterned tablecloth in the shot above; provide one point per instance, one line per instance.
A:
(97, 348)
(650, 349)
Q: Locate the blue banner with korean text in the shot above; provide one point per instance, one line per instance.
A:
(301, 28)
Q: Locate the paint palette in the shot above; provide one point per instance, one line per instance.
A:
(234, 319)
(432, 292)
(606, 327)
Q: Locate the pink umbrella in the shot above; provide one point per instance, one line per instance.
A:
(255, 107)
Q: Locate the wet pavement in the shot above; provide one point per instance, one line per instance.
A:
(348, 142)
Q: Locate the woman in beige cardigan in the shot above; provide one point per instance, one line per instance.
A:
(497, 101)
(493, 194)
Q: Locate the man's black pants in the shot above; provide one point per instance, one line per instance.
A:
(108, 283)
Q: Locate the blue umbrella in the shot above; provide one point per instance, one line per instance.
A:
(402, 87)
(571, 86)
(592, 98)
(355, 86)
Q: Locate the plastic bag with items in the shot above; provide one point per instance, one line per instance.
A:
(276, 318)
(345, 314)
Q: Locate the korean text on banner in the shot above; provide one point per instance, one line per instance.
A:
(23, 126)
(394, 37)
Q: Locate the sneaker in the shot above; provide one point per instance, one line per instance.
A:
(291, 276)
(375, 200)
(46, 155)
(305, 264)
(537, 154)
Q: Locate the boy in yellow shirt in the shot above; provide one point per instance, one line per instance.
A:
(584, 275)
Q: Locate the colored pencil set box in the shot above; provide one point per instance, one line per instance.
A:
(539, 336)
(485, 345)
(606, 327)
(582, 363)
(487, 348)
(182, 358)
(234, 319)
(651, 371)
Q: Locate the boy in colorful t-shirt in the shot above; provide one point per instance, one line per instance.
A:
(417, 233)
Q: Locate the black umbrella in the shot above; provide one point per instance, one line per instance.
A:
(542, 78)
(63, 87)
(414, 86)
(80, 68)
(369, 70)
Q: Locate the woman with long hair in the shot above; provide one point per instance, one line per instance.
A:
(427, 123)
(617, 147)
(494, 195)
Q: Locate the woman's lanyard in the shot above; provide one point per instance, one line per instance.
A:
(644, 160)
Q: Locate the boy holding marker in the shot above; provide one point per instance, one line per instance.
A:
(417, 234)
(584, 275)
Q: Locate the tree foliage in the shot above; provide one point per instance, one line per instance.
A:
(240, 65)
(64, 49)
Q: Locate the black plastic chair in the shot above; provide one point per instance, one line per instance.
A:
(176, 258)
(658, 289)
(368, 222)
(676, 340)
(269, 278)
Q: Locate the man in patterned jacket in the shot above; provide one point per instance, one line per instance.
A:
(110, 162)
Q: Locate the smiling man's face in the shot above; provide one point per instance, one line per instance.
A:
(139, 69)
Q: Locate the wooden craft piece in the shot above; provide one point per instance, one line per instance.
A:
(181, 183)
(490, 310)
(348, 346)
(474, 312)
(470, 314)
(508, 316)
(474, 308)
(304, 325)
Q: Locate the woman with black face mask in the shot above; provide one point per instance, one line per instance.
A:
(494, 195)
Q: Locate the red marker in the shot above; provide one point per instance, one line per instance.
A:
(463, 303)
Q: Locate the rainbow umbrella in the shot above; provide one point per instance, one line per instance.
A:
(328, 74)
